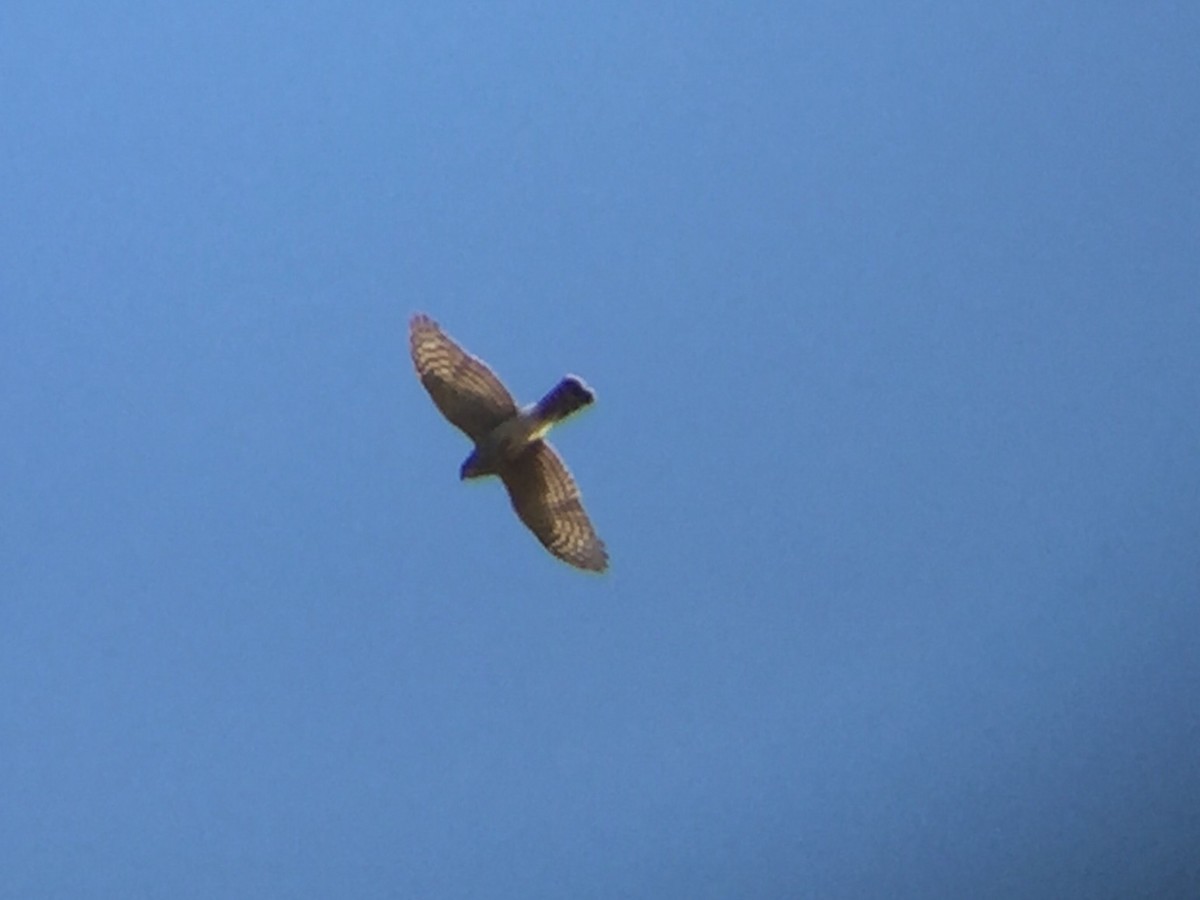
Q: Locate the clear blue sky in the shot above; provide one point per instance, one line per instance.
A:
(893, 313)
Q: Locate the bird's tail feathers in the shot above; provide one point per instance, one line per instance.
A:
(568, 396)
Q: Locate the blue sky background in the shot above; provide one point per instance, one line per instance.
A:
(892, 311)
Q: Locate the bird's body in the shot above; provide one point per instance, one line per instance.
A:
(509, 442)
(514, 435)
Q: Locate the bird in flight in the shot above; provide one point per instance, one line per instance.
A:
(510, 441)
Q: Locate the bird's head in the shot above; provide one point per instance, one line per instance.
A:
(470, 467)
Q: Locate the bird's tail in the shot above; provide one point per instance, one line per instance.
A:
(568, 396)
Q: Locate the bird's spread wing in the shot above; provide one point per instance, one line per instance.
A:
(546, 498)
(466, 391)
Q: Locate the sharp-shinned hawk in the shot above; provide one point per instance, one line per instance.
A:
(509, 441)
